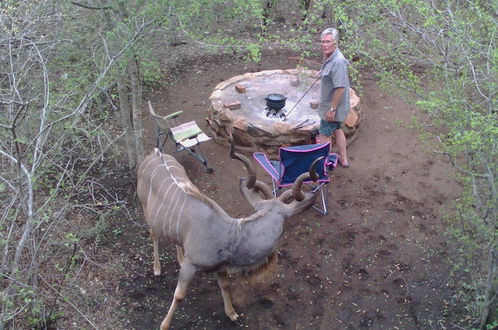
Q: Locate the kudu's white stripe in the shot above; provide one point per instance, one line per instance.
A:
(174, 189)
(171, 166)
(154, 204)
(169, 193)
(175, 196)
(146, 169)
(160, 201)
(179, 216)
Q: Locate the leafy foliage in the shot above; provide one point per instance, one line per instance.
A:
(60, 62)
(442, 56)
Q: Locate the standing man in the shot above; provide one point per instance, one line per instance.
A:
(334, 93)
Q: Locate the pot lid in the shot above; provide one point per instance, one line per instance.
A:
(276, 97)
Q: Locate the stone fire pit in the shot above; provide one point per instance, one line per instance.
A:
(238, 105)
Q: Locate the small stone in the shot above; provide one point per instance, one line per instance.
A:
(314, 104)
(351, 119)
(240, 123)
(282, 128)
(240, 89)
(233, 106)
(294, 81)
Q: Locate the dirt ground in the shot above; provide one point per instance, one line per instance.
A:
(378, 260)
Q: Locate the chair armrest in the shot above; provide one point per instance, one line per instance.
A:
(332, 159)
(266, 164)
(173, 115)
(170, 116)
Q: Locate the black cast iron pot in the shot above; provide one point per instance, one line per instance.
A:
(275, 101)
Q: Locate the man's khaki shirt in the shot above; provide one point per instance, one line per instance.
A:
(334, 74)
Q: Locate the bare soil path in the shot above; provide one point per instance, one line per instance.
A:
(378, 260)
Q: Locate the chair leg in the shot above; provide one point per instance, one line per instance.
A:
(195, 152)
(164, 141)
(274, 188)
(324, 194)
(325, 198)
(203, 160)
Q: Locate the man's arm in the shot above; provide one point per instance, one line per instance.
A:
(336, 99)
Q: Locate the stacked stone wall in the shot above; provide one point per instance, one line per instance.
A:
(223, 119)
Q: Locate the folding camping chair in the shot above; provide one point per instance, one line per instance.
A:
(186, 136)
(295, 160)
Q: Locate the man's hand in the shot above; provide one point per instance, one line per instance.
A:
(330, 115)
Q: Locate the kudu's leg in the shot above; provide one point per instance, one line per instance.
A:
(179, 254)
(223, 282)
(187, 271)
(157, 264)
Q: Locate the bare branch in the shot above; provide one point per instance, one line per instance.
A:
(90, 7)
(68, 301)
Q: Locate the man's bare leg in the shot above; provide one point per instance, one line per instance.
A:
(340, 140)
(325, 139)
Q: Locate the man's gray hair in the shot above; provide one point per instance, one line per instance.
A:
(333, 32)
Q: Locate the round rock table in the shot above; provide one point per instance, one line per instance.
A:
(238, 105)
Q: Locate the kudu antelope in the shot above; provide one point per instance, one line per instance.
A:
(206, 237)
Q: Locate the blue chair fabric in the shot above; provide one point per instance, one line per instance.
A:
(295, 160)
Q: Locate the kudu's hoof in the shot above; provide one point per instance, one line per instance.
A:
(233, 317)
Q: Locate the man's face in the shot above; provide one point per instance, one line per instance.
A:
(328, 45)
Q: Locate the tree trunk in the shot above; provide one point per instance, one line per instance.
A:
(326, 9)
(126, 116)
(266, 14)
(489, 287)
(136, 103)
(306, 6)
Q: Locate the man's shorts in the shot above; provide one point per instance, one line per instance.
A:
(328, 127)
